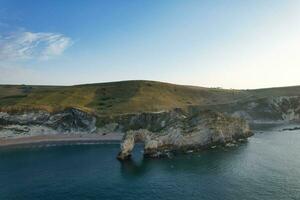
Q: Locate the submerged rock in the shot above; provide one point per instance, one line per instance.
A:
(291, 129)
(230, 145)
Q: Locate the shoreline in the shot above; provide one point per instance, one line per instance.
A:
(64, 139)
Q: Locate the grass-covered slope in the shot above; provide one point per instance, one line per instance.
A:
(124, 97)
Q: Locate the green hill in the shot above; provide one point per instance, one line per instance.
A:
(125, 97)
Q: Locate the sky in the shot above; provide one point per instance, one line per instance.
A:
(221, 43)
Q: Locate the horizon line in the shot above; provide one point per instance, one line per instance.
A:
(144, 80)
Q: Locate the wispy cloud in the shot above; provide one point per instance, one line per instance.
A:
(24, 45)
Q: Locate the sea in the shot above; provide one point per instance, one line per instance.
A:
(267, 167)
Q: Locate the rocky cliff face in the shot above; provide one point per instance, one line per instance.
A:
(184, 132)
(269, 110)
(41, 122)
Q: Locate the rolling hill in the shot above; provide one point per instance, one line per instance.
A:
(125, 97)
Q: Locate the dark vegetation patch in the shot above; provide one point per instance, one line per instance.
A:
(14, 97)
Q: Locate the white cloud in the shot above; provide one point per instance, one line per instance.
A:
(28, 45)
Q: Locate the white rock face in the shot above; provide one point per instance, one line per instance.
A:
(200, 131)
(290, 115)
(270, 110)
(42, 123)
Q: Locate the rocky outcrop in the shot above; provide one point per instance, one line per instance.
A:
(41, 122)
(269, 110)
(185, 132)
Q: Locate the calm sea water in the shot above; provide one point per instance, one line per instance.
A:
(267, 167)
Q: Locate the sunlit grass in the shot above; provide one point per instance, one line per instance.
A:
(124, 97)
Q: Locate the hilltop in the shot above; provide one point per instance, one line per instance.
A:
(126, 97)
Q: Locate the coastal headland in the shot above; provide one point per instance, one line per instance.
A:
(165, 117)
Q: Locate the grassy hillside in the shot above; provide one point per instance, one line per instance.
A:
(124, 97)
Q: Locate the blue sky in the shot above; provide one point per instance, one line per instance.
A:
(220, 43)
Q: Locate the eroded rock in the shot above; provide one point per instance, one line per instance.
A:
(203, 130)
(41, 122)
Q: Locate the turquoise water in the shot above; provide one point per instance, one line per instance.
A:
(267, 167)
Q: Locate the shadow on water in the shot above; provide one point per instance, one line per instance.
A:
(136, 165)
(131, 168)
(209, 161)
